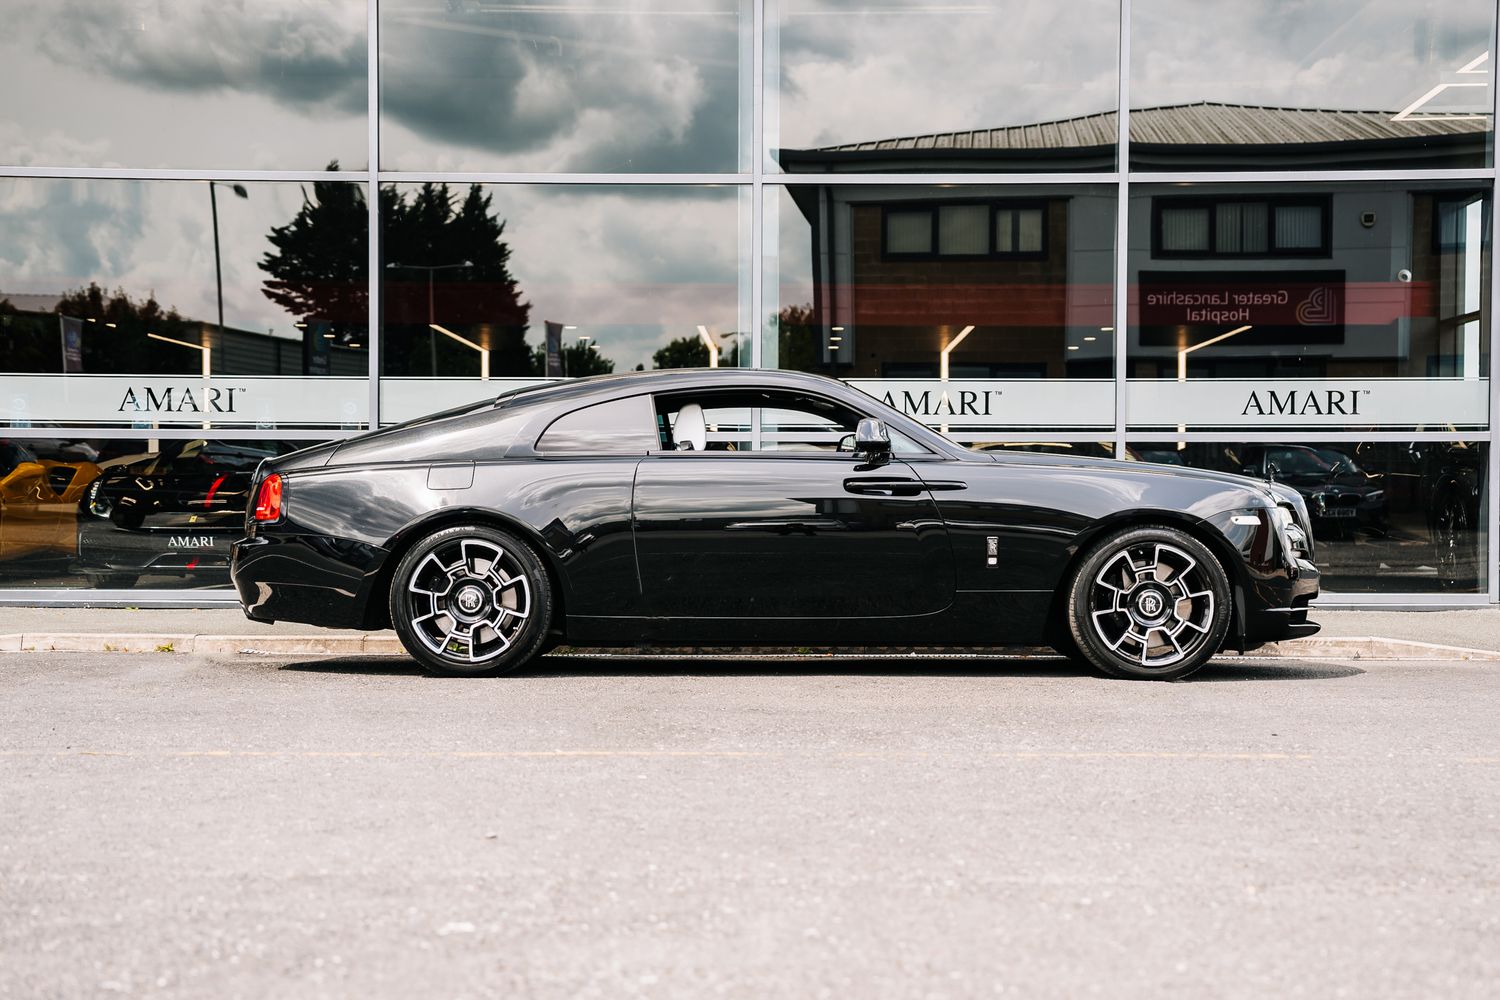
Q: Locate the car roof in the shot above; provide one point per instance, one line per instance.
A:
(555, 398)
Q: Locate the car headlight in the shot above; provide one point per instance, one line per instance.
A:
(98, 506)
(1296, 539)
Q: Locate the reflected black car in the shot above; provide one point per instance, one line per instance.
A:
(739, 508)
(174, 512)
(1341, 497)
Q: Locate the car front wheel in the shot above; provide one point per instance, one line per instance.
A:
(471, 600)
(1149, 603)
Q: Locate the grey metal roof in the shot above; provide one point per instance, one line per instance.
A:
(1205, 123)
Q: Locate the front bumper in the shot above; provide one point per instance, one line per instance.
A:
(1278, 608)
(313, 579)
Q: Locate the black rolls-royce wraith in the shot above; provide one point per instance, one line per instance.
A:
(743, 507)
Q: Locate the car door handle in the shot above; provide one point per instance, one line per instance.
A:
(944, 485)
(884, 487)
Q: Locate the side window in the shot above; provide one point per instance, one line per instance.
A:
(755, 420)
(619, 427)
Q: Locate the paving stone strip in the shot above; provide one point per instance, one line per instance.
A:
(1368, 647)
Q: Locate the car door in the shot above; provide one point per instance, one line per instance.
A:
(756, 534)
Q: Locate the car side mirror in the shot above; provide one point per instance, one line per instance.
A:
(872, 441)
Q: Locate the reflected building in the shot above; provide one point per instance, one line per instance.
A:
(1274, 260)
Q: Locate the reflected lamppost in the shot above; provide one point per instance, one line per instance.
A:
(431, 314)
(213, 202)
(207, 353)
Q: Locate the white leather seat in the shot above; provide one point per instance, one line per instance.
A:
(691, 427)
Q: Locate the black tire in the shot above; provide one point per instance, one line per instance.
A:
(470, 600)
(1456, 543)
(1149, 603)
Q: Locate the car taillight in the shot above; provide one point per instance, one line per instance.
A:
(268, 499)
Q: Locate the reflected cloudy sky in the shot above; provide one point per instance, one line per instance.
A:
(850, 72)
(632, 86)
(261, 84)
(1372, 55)
(577, 86)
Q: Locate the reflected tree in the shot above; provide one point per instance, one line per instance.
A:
(447, 263)
(114, 334)
(797, 339)
(317, 271)
(692, 352)
(578, 360)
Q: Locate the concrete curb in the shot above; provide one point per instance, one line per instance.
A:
(1368, 647)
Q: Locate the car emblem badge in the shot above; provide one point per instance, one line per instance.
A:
(1150, 605)
(469, 599)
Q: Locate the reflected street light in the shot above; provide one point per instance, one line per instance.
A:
(213, 202)
(1182, 354)
(943, 366)
(208, 353)
(713, 348)
(484, 352)
(431, 315)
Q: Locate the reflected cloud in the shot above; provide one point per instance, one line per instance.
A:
(567, 87)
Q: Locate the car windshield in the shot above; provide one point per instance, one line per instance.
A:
(1338, 461)
(1299, 462)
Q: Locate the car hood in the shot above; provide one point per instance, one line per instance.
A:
(1276, 492)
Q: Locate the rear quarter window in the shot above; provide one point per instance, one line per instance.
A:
(618, 427)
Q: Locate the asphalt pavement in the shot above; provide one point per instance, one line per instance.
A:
(188, 826)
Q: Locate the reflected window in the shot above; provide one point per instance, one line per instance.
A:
(966, 230)
(1239, 227)
(908, 232)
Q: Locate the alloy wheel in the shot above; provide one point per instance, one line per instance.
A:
(1152, 604)
(468, 600)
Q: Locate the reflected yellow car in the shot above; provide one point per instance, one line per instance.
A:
(39, 503)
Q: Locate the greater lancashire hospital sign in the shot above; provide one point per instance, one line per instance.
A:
(1181, 308)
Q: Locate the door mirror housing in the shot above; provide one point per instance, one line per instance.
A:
(871, 439)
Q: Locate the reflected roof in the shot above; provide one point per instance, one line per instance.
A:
(1200, 123)
(1178, 132)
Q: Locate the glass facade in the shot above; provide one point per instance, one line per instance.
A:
(1246, 238)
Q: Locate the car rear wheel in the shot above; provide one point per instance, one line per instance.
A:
(471, 600)
(1456, 543)
(1149, 603)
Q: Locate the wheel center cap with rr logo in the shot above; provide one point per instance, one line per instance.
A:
(1149, 604)
(470, 599)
